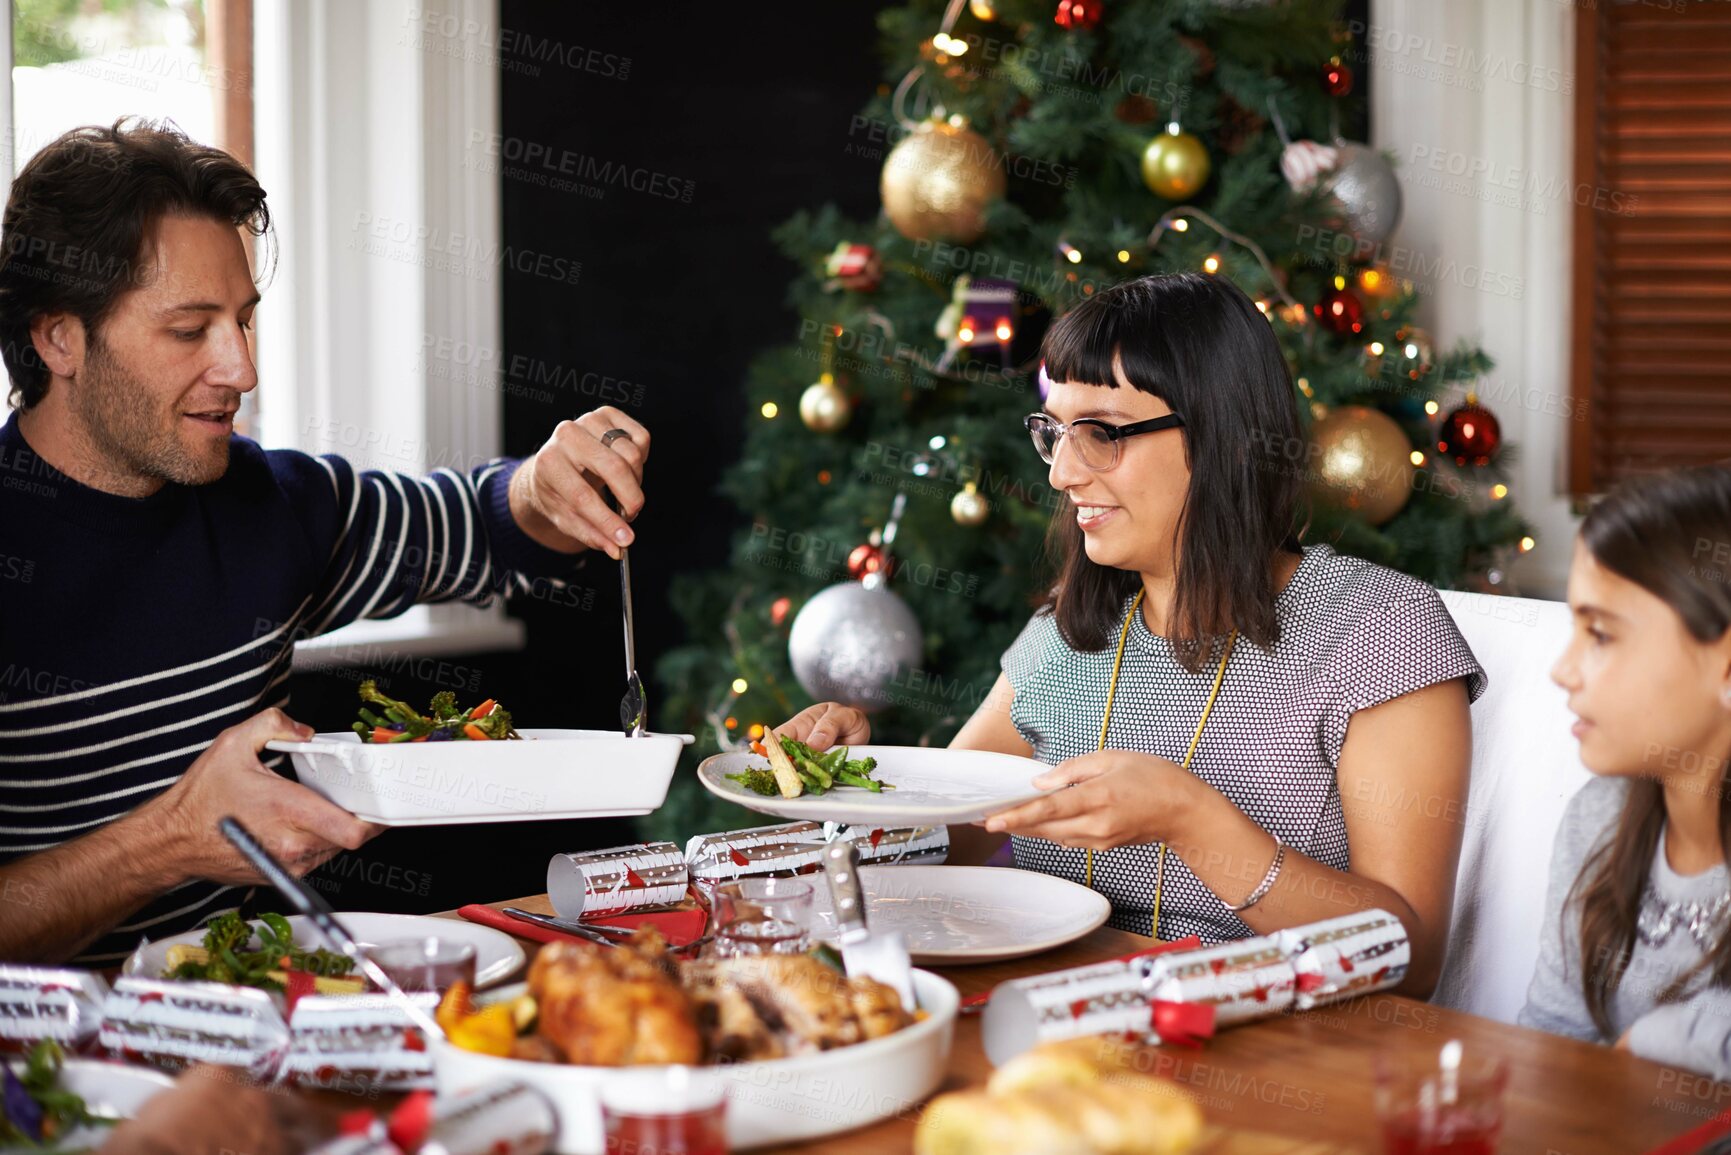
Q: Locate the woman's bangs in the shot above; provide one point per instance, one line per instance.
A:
(1082, 345)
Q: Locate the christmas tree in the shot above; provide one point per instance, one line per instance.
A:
(1034, 152)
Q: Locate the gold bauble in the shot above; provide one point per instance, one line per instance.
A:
(1362, 462)
(1175, 165)
(968, 508)
(824, 407)
(938, 181)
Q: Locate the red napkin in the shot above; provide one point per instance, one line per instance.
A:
(1694, 1142)
(678, 927)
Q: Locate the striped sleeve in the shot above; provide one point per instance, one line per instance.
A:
(393, 540)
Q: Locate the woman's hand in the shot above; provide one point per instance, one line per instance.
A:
(828, 724)
(1105, 800)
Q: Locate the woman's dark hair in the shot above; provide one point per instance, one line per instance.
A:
(80, 218)
(1669, 533)
(1197, 343)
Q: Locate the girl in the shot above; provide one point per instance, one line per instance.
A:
(1634, 948)
(1255, 735)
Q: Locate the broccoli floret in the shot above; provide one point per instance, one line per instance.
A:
(757, 781)
(444, 705)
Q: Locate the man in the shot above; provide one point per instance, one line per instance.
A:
(142, 541)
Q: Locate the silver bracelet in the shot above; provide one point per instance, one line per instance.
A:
(1267, 883)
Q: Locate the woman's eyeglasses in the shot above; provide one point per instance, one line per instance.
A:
(1097, 444)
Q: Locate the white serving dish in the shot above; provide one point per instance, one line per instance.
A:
(959, 915)
(933, 785)
(551, 774)
(113, 1089)
(781, 1101)
(498, 956)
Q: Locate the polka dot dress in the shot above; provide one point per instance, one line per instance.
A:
(1352, 635)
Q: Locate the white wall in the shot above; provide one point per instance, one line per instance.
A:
(1476, 99)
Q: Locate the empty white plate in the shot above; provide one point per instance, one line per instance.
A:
(932, 785)
(970, 914)
(497, 955)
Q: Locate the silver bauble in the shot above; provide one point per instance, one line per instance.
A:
(1364, 185)
(849, 641)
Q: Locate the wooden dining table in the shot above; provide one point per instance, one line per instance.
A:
(1309, 1075)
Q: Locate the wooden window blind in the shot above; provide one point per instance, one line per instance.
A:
(1651, 321)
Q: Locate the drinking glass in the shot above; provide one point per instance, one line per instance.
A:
(1446, 1102)
(426, 964)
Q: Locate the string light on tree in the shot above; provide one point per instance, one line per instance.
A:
(986, 10)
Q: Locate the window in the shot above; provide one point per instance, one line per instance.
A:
(1652, 239)
(357, 118)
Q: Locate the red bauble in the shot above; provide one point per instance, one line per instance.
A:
(1083, 14)
(865, 559)
(1337, 79)
(1470, 435)
(778, 610)
(1340, 311)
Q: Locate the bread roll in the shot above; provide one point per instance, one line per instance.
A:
(1072, 1062)
(1077, 1097)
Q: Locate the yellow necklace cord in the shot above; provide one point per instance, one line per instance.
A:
(1160, 860)
(1195, 739)
(1106, 718)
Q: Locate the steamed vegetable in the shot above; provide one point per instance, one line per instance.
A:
(802, 770)
(396, 721)
(227, 956)
(34, 1110)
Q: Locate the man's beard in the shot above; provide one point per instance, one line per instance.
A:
(130, 434)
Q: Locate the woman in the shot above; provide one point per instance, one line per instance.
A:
(1634, 948)
(1326, 698)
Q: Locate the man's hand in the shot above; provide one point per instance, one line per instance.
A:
(828, 724)
(296, 825)
(556, 495)
(217, 1110)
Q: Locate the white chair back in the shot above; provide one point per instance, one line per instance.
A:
(1526, 767)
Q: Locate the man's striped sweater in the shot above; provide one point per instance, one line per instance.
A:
(133, 631)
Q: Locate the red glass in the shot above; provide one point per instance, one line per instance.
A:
(664, 1111)
(699, 1132)
(1446, 1131)
(1443, 1102)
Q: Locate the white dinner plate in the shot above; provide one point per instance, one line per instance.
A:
(497, 955)
(110, 1089)
(953, 915)
(932, 785)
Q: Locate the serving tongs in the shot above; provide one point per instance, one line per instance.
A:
(634, 706)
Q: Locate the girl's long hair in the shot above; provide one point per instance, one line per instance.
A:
(1197, 343)
(1663, 532)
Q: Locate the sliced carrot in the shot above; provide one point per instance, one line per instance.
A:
(483, 709)
(757, 748)
(382, 735)
(475, 732)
